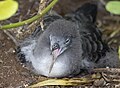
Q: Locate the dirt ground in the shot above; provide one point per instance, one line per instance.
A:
(12, 73)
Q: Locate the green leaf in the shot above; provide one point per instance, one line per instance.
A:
(113, 7)
(7, 8)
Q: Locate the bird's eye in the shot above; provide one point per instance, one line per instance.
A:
(67, 41)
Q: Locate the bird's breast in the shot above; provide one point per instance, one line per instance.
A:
(60, 68)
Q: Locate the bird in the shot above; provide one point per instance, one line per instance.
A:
(68, 45)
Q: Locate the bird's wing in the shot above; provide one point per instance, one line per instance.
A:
(91, 38)
(92, 44)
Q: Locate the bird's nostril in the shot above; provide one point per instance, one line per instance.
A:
(55, 46)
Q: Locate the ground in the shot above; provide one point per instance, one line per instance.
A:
(12, 73)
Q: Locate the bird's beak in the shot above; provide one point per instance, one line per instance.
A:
(55, 53)
(55, 48)
(54, 58)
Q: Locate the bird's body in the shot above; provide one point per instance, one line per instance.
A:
(68, 45)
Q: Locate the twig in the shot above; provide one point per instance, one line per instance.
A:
(103, 2)
(42, 5)
(108, 70)
(11, 37)
(111, 78)
(39, 15)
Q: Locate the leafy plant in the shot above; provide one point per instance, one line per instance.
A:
(113, 7)
(8, 8)
(30, 20)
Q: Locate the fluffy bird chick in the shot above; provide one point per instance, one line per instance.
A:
(69, 45)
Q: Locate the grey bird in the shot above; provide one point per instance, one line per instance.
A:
(68, 45)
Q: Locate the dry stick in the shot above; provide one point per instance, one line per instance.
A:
(110, 70)
(11, 37)
(42, 5)
(103, 2)
(111, 78)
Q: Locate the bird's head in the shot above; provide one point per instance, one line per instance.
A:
(59, 44)
(63, 35)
